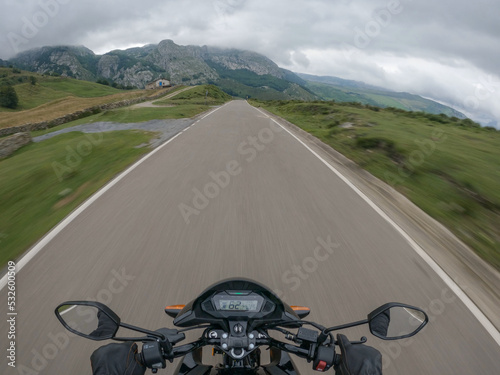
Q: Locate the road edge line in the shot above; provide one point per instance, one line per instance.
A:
(35, 249)
(480, 316)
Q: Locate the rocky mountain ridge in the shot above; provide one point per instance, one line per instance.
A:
(138, 66)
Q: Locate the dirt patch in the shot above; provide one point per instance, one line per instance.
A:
(70, 198)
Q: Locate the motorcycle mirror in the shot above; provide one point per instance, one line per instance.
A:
(92, 320)
(394, 321)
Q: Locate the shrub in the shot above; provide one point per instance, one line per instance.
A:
(443, 119)
(102, 81)
(8, 97)
(374, 142)
(333, 124)
(469, 123)
(384, 144)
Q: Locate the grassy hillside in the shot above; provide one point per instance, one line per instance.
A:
(379, 98)
(47, 88)
(39, 187)
(447, 166)
(44, 98)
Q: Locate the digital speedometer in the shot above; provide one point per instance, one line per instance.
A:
(238, 305)
(237, 302)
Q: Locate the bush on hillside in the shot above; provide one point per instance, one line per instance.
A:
(8, 97)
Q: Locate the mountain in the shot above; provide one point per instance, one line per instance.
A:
(341, 90)
(336, 81)
(240, 73)
(78, 62)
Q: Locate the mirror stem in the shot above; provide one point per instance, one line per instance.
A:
(142, 330)
(343, 326)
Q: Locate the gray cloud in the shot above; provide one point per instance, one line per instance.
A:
(447, 48)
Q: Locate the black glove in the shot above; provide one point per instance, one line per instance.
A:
(380, 324)
(117, 359)
(358, 359)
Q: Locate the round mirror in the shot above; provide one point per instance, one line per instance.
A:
(87, 321)
(397, 322)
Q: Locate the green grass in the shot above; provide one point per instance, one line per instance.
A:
(82, 89)
(127, 115)
(85, 120)
(49, 88)
(200, 95)
(448, 167)
(184, 105)
(39, 187)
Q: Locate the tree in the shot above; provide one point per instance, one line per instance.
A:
(102, 81)
(33, 80)
(8, 97)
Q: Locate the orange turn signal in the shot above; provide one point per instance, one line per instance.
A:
(301, 311)
(175, 307)
(174, 310)
(300, 308)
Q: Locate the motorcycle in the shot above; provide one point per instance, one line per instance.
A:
(237, 316)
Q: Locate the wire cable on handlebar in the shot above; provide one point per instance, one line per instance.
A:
(275, 326)
(294, 323)
(196, 327)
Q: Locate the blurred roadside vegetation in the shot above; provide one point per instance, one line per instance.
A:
(449, 167)
(43, 182)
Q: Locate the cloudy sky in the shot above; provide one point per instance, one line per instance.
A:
(447, 50)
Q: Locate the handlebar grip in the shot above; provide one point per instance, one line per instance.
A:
(152, 356)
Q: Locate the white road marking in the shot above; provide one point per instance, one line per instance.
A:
(73, 215)
(65, 311)
(413, 315)
(485, 322)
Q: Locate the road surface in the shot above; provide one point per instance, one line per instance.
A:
(236, 195)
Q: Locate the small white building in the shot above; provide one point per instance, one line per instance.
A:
(158, 84)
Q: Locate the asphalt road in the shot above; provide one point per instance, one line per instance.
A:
(234, 195)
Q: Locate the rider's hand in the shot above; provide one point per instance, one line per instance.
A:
(117, 359)
(358, 359)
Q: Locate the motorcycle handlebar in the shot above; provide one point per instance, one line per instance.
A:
(154, 357)
(188, 348)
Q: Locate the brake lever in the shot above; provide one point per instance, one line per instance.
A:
(363, 340)
(172, 335)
